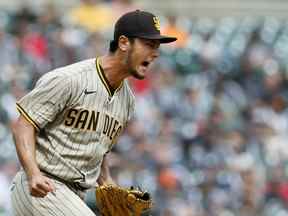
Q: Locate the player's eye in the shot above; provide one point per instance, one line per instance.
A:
(151, 44)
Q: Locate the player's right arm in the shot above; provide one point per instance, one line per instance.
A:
(24, 137)
(37, 108)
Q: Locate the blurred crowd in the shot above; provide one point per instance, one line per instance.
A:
(211, 123)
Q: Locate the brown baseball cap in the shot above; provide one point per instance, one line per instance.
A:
(140, 24)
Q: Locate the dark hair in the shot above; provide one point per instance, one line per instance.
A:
(114, 44)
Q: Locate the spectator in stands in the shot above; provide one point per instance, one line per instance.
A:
(92, 15)
(172, 28)
(120, 7)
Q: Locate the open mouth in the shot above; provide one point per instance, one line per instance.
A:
(145, 63)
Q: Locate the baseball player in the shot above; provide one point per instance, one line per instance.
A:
(72, 118)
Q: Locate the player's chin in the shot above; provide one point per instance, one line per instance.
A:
(138, 74)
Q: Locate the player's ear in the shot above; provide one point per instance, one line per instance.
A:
(123, 43)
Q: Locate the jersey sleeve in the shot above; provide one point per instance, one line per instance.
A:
(46, 100)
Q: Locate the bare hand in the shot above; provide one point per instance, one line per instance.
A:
(40, 185)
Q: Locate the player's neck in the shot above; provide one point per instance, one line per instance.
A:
(114, 70)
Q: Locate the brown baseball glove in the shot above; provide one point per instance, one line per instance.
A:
(117, 201)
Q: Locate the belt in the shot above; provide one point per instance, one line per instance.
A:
(70, 184)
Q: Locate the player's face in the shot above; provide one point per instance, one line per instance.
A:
(141, 54)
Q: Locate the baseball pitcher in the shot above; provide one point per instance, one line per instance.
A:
(72, 119)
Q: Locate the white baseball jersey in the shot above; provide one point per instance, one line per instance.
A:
(78, 120)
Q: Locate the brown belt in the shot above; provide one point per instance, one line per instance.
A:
(72, 185)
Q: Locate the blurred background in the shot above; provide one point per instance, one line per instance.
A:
(210, 132)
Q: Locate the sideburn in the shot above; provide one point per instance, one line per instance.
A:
(132, 70)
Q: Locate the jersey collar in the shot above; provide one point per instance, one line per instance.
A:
(104, 80)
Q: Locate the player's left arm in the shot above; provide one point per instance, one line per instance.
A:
(105, 175)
